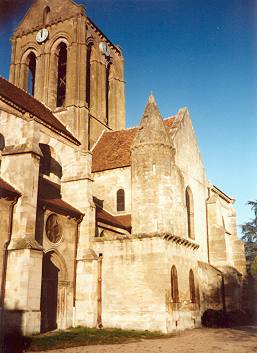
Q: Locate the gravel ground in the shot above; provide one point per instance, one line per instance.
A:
(236, 340)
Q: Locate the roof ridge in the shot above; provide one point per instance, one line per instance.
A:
(125, 129)
(25, 102)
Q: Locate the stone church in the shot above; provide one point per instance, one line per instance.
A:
(102, 226)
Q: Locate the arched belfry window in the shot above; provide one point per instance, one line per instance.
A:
(190, 213)
(107, 89)
(120, 200)
(192, 286)
(46, 15)
(174, 284)
(88, 72)
(61, 71)
(31, 73)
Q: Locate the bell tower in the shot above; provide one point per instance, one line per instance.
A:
(61, 58)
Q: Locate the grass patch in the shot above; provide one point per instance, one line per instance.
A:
(82, 336)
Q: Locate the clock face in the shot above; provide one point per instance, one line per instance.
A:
(42, 35)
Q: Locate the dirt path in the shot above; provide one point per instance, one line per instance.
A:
(239, 340)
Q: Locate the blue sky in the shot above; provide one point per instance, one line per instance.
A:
(201, 54)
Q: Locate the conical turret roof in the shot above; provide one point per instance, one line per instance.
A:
(152, 128)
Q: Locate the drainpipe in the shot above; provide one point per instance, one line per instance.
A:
(77, 233)
(4, 268)
(99, 292)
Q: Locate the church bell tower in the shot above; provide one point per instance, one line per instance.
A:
(61, 58)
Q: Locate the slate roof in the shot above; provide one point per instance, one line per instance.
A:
(62, 207)
(113, 148)
(123, 221)
(7, 190)
(23, 101)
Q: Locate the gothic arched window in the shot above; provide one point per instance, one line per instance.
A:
(192, 286)
(107, 89)
(190, 213)
(31, 73)
(174, 284)
(61, 78)
(88, 74)
(120, 200)
(46, 15)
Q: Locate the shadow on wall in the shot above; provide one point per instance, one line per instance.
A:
(232, 305)
(49, 163)
(250, 296)
(11, 338)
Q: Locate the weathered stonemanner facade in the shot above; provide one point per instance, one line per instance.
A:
(102, 225)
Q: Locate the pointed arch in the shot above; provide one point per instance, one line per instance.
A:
(190, 213)
(192, 286)
(28, 71)
(174, 284)
(120, 200)
(31, 73)
(54, 272)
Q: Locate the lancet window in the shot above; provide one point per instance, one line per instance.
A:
(31, 73)
(190, 213)
(61, 78)
(120, 200)
(174, 285)
(192, 286)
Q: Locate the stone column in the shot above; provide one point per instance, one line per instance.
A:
(52, 81)
(98, 86)
(217, 244)
(116, 97)
(23, 79)
(120, 97)
(40, 78)
(76, 188)
(13, 66)
(20, 167)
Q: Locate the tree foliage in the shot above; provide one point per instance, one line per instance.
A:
(250, 228)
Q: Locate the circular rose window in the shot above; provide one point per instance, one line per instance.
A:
(53, 228)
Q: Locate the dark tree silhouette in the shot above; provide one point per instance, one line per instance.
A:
(249, 230)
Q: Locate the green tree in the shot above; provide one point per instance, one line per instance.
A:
(250, 228)
(249, 237)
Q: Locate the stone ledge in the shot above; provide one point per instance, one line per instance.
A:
(164, 236)
(23, 148)
(24, 243)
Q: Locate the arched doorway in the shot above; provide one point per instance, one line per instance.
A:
(49, 294)
(53, 274)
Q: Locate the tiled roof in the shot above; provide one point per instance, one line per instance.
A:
(7, 190)
(113, 148)
(123, 221)
(61, 207)
(27, 103)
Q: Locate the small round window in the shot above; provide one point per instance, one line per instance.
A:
(53, 228)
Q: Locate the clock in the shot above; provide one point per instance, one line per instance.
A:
(42, 35)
